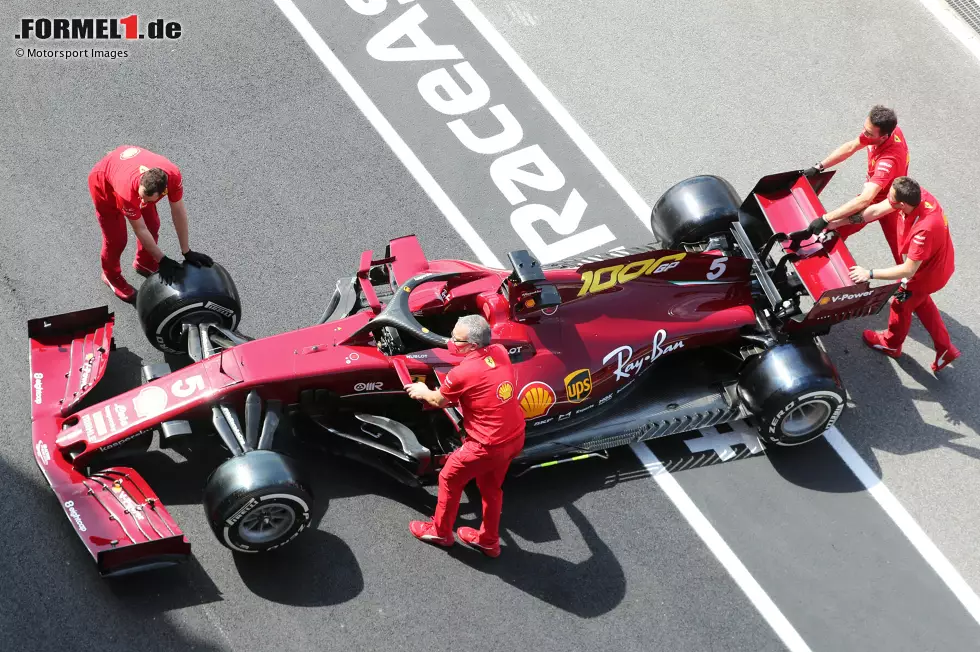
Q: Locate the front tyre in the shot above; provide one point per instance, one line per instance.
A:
(794, 392)
(257, 502)
(196, 296)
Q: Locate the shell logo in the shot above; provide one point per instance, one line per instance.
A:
(536, 399)
(129, 152)
(505, 391)
(824, 301)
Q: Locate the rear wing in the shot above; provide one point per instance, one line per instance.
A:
(116, 515)
(786, 203)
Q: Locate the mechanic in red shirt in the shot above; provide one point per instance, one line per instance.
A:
(483, 386)
(125, 187)
(924, 237)
(888, 159)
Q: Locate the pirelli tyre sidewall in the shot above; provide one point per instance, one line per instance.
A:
(794, 392)
(197, 295)
(258, 502)
(700, 207)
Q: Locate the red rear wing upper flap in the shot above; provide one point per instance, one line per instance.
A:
(788, 202)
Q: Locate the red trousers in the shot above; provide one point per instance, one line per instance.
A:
(889, 226)
(900, 319)
(115, 231)
(488, 465)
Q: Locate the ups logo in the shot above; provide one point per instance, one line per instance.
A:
(578, 385)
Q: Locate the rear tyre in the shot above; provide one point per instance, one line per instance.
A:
(696, 209)
(794, 392)
(197, 295)
(257, 502)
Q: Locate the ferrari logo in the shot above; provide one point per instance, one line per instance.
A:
(418, 378)
(929, 206)
(897, 139)
(490, 362)
(504, 391)
(143, 169)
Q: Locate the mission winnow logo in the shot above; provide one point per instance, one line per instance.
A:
(97, 29)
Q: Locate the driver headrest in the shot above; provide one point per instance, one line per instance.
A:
(493, 307)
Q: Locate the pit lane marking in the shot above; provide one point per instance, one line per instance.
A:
(912, 530)
(892, 507)
(390, 136)
(955, 25)
(592, 152)
(672, 489)
(721, 550)
(641, 209)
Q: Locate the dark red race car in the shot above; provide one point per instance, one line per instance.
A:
(707, 327)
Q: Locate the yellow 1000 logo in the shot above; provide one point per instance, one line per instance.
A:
(607, 277)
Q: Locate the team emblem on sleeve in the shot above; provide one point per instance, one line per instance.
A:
(490, 362)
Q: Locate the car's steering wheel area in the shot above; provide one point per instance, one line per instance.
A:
(396, 315)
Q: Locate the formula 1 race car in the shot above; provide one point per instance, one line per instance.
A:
(728, 331)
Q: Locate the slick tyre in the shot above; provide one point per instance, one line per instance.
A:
(696, 209)
(196, 296)
(257, 502)
(794, 392)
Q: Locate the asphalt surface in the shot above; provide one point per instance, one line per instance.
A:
(287, 181)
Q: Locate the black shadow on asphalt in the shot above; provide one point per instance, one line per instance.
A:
(891, 422)
(588, 588)
(44, 588)
(316, 570)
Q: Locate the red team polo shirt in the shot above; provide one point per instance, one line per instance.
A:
(925, 236)
(118, 177)
(483, 386)
(887, 162)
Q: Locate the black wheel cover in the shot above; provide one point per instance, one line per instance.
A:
(700, 207)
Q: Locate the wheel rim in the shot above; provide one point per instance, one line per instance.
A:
(267, 523)
(806, 419)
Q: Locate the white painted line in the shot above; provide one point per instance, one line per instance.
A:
(755, 593)
(878, 490)
(383, 127)
(933, 556)
(558, 112)
(674, 491)
(956, 25)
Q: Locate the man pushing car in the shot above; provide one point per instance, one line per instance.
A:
(483, 385)
(888, 159)
(125, 187)
(923, 232)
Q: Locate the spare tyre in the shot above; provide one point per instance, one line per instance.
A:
(197, 295)
(696, 209)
